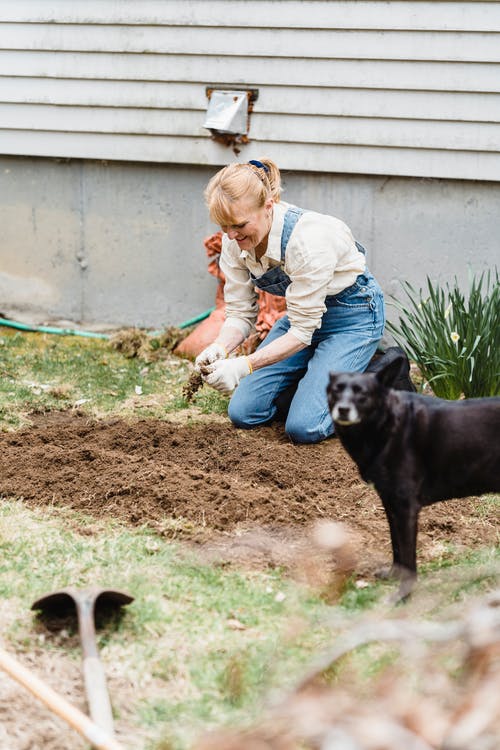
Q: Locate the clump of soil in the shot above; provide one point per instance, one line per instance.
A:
(192, 386)
(217, 482)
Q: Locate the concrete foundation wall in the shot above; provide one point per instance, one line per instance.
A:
(121, 244)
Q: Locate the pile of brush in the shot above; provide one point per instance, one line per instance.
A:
(135, 342)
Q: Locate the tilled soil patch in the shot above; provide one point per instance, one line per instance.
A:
(220, 482)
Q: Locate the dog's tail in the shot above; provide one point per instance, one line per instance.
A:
(402, 380)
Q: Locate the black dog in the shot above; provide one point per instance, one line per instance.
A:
(416, 450)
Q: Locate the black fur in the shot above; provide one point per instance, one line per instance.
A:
(400, 377)
(416, 450)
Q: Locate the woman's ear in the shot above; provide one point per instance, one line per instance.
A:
(269, 204)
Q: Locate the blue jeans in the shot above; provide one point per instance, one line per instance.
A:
(350, 331)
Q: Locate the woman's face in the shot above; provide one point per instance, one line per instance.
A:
(250, 225)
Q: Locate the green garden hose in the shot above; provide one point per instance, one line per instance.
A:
(90, 334)
(49, 329)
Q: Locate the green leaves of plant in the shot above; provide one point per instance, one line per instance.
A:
(454, 339)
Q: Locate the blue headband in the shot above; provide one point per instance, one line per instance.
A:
(259, 165)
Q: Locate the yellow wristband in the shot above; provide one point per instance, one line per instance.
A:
(249, 365)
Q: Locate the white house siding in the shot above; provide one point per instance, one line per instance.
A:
(393, 88)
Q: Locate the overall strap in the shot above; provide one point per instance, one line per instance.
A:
(292, 216)
(360, 247)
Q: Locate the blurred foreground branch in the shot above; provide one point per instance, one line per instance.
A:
(437, 712)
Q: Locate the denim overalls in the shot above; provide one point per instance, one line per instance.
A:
(350, 331)
(275, 281)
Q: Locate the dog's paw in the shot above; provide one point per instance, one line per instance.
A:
(387, 573)
(406, 578)
(396, 598)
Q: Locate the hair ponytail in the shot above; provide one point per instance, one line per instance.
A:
(274, 178)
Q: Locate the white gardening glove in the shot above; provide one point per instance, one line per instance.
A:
(210, 354)
(225, 374)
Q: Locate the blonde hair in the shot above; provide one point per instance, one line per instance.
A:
(238, 181)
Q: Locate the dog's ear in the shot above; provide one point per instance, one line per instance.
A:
(331, 381)
(329, 389)
(391, 375)
(389, 371)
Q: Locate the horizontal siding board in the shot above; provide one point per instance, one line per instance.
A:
(461, 106)
(464, 16)
(404, 87)
(274, 128)
(378, 132)
(367, 45)
(95, 93)
(272, 99)
(350, 159)
(241, 71)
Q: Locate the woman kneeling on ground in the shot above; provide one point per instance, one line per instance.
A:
(335, 308)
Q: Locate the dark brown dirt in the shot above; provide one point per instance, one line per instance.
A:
(222, 482)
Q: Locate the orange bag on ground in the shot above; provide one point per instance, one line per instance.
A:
(270, 309)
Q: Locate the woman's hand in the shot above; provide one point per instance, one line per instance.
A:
(228, 339)
(210, 354)
(225, 374)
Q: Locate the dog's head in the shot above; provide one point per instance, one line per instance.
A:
(354, 397)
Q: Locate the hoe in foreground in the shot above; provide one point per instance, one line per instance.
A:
(84, 603)
(416, 450)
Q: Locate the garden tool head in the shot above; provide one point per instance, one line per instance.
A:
(97, 602)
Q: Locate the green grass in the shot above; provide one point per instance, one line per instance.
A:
(489, 507)
(47, 372)
(192, 669)
(177, 635)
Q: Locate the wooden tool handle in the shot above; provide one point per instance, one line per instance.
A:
(94, 734)
(97, 693)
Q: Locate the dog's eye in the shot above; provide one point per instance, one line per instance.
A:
(356, 388)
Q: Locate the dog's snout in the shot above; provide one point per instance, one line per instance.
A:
(345, 413)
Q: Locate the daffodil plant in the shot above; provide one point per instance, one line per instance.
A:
(454, 339)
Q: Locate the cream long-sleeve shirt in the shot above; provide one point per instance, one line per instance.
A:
(321, 259)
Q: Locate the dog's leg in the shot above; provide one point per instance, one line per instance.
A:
(402, 515)
(391, 571)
